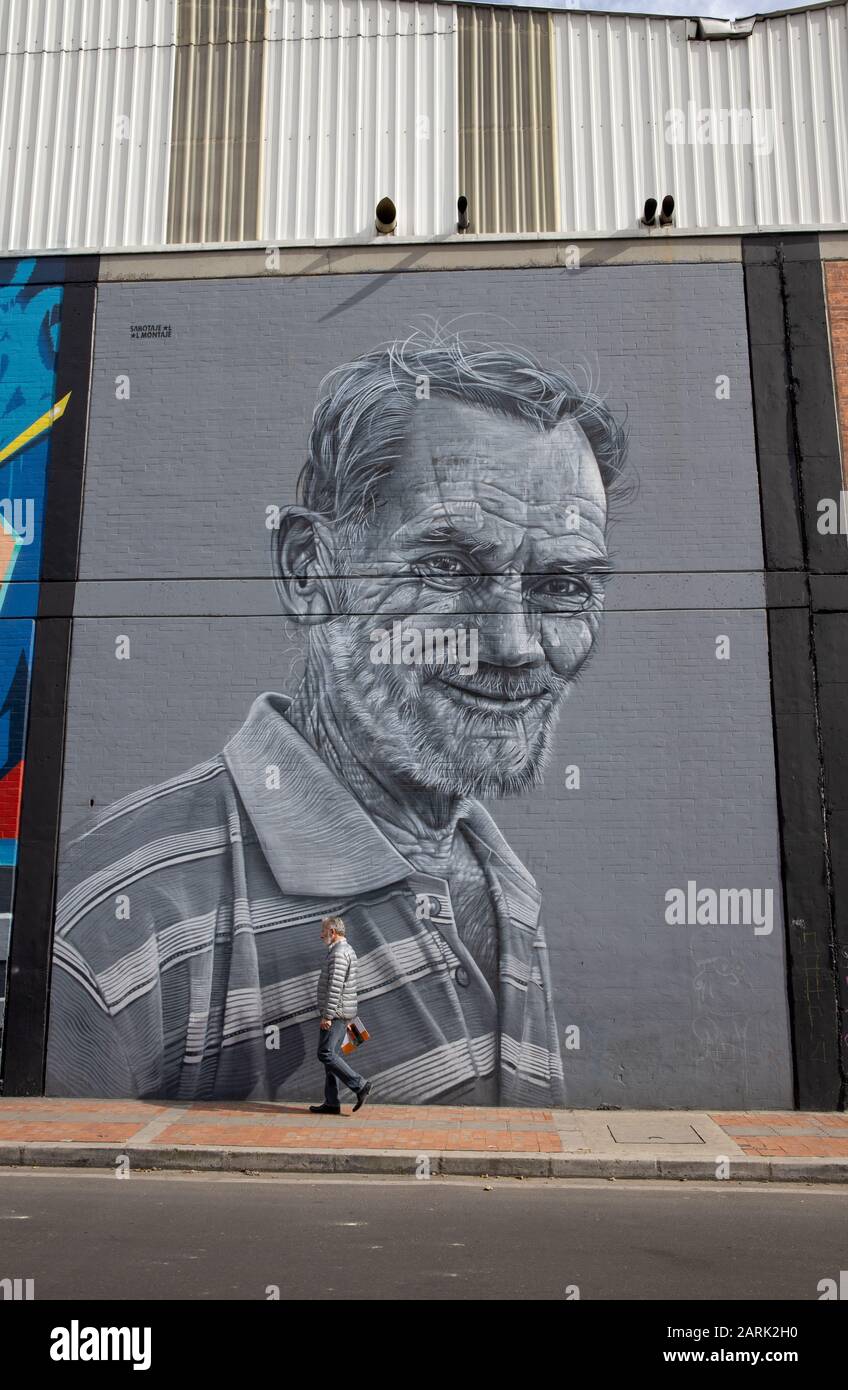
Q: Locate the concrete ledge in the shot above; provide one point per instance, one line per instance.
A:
(808, 1169)
(47, 1155)
(191, 1158)
(410, 254)
(264, 1160)
(382, 1161)
(494, 1165)
(704, 1169)
(588, 1166)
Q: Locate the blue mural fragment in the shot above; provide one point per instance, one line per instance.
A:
(30, 323)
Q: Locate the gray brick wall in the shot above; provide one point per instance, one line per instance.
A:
(216, 423)
(675, 747)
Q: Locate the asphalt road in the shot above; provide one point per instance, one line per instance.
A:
(174, 1236)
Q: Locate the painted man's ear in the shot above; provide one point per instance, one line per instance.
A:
(303, 561)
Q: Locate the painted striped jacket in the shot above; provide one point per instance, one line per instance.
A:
(186, 951)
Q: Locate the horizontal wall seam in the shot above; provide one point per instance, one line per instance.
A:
(413, 37)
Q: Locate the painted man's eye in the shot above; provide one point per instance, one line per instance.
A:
(445, 564)
(562, 584)
(442, 567)
(563, 591)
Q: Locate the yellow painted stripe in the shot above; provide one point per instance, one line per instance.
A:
(35, 429)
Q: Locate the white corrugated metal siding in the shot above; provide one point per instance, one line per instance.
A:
(359, 103)
(85, 111)
(620, 81)
(38, 26)
(143, 123)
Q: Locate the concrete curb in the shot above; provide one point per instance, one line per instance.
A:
(395, 1161)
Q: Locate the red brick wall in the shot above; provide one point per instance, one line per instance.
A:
(836, 285)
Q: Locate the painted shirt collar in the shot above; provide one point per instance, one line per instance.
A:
(316, 836)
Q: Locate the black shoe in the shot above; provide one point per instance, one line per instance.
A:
(362, 1096)
(325, 1109)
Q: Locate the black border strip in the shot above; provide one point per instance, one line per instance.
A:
(798, 462)
(830, 634)
(28, 984)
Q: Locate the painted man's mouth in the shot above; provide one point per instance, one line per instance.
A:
(505, 699)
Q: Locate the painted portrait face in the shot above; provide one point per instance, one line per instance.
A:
(485, 524)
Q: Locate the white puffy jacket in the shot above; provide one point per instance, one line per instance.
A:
(337, 982)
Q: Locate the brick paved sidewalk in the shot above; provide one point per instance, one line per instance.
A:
(787, 1134)
(406, 1127)
(287, 1125)
(544, 1142)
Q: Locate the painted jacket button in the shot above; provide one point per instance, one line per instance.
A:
(462, 977)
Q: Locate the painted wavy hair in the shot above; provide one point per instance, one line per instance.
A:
(365, 407)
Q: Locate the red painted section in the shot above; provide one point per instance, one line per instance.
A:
(10, 802)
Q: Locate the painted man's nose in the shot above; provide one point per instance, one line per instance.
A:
(511, 639)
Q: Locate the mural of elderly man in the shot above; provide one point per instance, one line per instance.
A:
(449, 487)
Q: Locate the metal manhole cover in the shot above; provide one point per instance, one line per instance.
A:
(653, 1132)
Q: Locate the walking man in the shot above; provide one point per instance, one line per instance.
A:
(337, 1006)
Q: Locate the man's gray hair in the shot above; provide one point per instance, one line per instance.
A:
(365, 408)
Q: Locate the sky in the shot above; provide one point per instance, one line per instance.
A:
(721, 9)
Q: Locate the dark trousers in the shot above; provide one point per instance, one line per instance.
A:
(330, 1056)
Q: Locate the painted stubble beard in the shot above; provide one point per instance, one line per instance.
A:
(402, 726)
